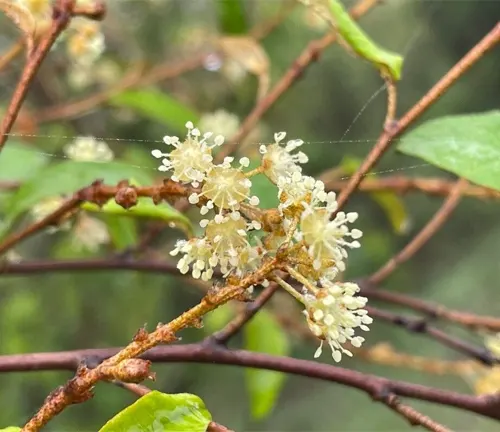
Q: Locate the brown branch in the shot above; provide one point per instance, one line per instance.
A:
(402, 185)
(124, 194)
(134, 78)
(124, 365)
(413, 416)
(261, 30)
(32, 229)
(377, 387)
(11, 53)
(53, 266)
(389, 134)
(419, 325)
(232, 328)
(433, 311)
(61, 18)
(310, 54)
(423, 236)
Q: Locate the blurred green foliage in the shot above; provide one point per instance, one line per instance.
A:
(93, 309)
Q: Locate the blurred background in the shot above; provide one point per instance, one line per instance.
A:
(93, 309)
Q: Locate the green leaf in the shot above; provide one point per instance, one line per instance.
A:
(122, 231)
(354, 38)
(231, 14)
(160, 412)
(157, 106)
(392, 205)
(66, 178)
(11, 429)
(466, 145)
(19, 162)
(264, 334)
(218, 318)
(145, 208)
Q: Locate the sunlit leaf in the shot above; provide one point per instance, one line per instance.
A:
(23, 19)
(231, 14)
(355, 39)
(392, 205)
(158, 106)
(11, 429)
(264, 334)
(145, 208)
(162, 412)
(466, 145)
(250, 55)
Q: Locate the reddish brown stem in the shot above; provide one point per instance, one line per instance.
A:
(61, 18)
(403, 185)
(231, 329)
(296, 70)
(377, 387)
(390, 133)
(423, 236)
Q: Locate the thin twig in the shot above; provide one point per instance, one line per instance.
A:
(222, 336)
(488, 406)
(423, 236)
(11, 53)
(389, 134)
(414, 417)
(310, 54)
(124, 194)
(61, 18)
(402, 185)
(433, 311)
(419, 325)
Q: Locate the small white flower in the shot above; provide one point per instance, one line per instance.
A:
(90, 233)
(279, 161)
(220, 122)
(85, 41)
(226, 187)
(191, 159)
(88, 149)
(225, 244)
(334, 314)
(44, 208)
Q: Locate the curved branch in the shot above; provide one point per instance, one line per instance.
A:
(377, 387)
(389, 134)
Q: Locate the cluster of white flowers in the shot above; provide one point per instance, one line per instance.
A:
(84, 39)
(306, 232)
(88, 149)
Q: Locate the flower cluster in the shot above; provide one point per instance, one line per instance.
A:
(305, 235)
(84, 40)
(88, 149)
